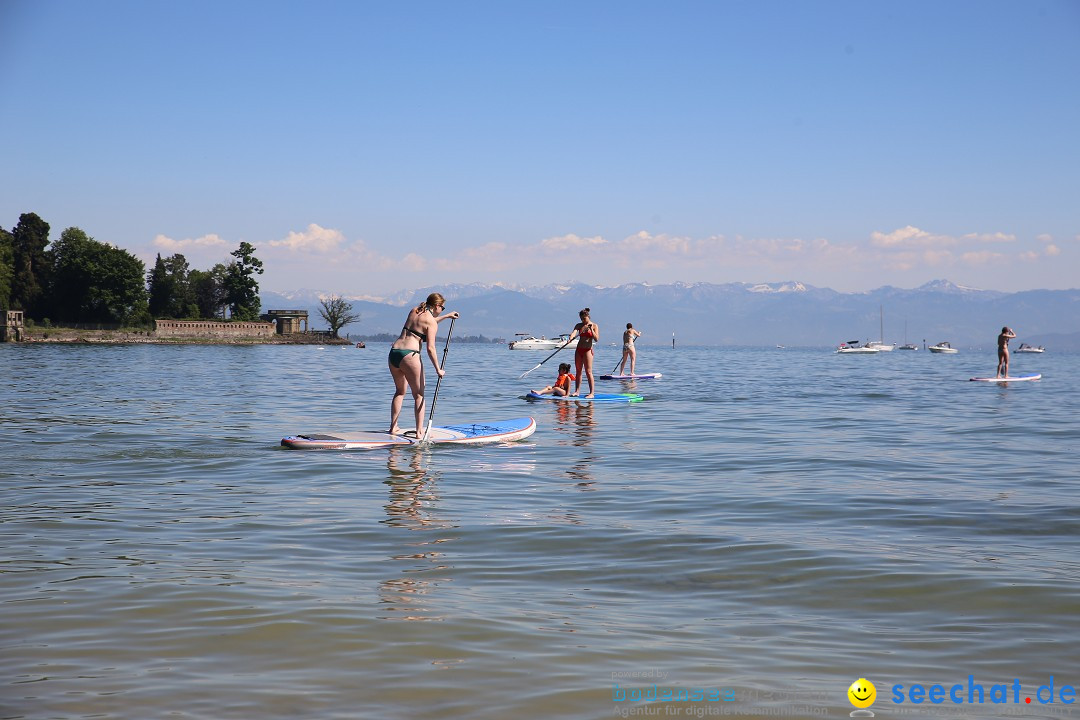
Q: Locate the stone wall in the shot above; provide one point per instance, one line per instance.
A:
(213, 330)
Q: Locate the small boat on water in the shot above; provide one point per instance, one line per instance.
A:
(1025, 348)
(880, 345)
(942, 347)
(526, 341)
(907, 345)
(852, 347)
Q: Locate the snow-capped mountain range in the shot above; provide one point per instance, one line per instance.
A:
(787, 313)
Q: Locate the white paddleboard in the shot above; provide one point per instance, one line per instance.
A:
(1011, 378)
(465, 434)
(639, 376)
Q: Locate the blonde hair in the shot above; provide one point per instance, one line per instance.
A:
(432, 300)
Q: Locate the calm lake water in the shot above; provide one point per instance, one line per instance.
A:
(766, 527)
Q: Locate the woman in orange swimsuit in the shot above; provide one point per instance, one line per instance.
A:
(587, 333)
(404, 360)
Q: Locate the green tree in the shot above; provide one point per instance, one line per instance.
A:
(96, 282)
(157, 282)
(7, 267)
(31, 267)
(170, 288)
(208, 291)
(337, 312)
(241, 287)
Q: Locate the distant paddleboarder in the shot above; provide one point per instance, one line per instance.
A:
(1003, 351)
(628, 349)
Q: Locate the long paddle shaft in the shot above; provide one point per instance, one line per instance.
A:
(545, 359)
(435, 399)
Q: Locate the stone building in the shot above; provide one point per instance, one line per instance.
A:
(12, 330)
(289, 322)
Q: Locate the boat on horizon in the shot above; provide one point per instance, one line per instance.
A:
(530, 342)
(1025, 348)
(943, 347)
(852, 347)
(880, 345)
(907, 345)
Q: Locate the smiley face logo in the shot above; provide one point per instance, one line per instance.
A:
(862, 693)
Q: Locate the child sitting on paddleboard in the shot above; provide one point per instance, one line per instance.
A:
(562, 384)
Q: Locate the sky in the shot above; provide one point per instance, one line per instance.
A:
(365, 148)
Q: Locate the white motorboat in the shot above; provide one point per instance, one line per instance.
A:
(942, 347)
(852, 347)
(1025, 348)
(526, 341)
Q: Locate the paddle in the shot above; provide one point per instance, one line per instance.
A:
(435, 398)
(545, 359)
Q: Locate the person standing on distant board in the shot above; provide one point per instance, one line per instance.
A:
(1003, 351)
(587, 333)
(628, 349)
(404, 361)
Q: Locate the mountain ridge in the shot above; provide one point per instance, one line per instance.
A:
(788, 313)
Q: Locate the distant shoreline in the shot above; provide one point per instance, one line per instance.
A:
(73, 336)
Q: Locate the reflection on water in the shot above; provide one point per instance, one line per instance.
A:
(579, 421)
(413, 505)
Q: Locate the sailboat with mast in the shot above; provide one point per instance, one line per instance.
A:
(880, 345)
(907, 345)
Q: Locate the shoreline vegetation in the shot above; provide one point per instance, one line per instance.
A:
(128, 336)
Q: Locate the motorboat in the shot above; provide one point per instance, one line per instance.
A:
(943, 347)
(852, 347)
(526, 341)
(1024, 347)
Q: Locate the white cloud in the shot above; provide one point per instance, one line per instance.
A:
(1053, 250)
(569, 242)
(909, 236)
(1045, 238)
(169, 245)
(315, 239)
(989, 237)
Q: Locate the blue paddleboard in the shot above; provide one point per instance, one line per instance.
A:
(597, 397)
(464, 434)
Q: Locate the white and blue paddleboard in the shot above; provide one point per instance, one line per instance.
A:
(597, 397)
(1011, 378)
(465, 434)
(639, 376)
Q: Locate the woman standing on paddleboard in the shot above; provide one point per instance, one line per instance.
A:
(404, 362)
(628, 349)
(587, 333)
(1003, 351)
